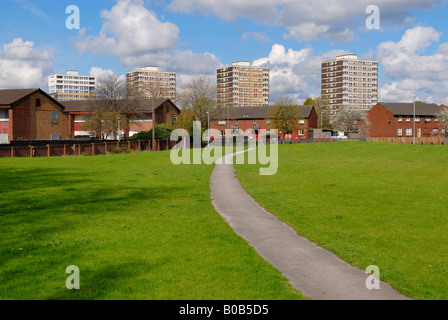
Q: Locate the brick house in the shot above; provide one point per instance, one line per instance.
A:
(257, 118)
(166, 112)
(31, 114)
(396, 120)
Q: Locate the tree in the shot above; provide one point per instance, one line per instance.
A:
(443, 118)
(319, 103)
(185, 121)
(350, 120)
(110, 104)
(199, 95)
(284, 115)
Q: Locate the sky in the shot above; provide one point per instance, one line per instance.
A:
(194, 37)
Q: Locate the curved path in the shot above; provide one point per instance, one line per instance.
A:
(315, 272)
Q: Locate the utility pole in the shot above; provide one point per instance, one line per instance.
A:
(414, 122)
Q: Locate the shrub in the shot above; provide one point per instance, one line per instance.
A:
(163, 132)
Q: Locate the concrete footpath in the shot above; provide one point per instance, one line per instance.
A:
(317, 273)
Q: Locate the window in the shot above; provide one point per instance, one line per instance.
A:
(268, 121)
(175, 118)
(301, 121)
(408, 119)
(38, 103)
(54, 116)
(237, 122)
(435, 131)
(255, 122)
(222, 133)
(4, 114)
(428, 119)
(301, 133)
(222, 122)
(400, 132)
(400, 119)
(55, 137)
(409, 132)
(417, 119)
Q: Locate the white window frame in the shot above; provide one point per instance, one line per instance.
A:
(400, 132)
(301, 133)
(408, 132)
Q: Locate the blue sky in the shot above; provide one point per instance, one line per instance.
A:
(193, 37)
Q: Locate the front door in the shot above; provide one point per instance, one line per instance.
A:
(419, 133)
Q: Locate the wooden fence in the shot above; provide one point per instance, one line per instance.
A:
(84, 149)
(425, 140)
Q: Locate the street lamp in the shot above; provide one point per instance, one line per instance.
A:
(413, 132)
(321, 119)
(208, 116)
(118, 128)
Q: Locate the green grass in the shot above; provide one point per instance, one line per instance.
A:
(370, 203)
(137, 226)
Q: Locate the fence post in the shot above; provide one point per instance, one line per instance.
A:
(31, 151)
(12, 152)
(93, 149)
(105, 148)
(48, 151)
(139, 146)
(65, 150)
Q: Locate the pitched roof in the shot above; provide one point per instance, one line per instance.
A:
(407, 109)
(261, 112)
(10, 96)
(138, 105)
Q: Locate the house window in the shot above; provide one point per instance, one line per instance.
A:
(237, 122)
(268, 121)
(4, 115)
(222, 122)
(435, 131)
(408, 119)
(255, 121)
(175, 118)
(428, 119)
(302, 121)
(301, 133)
(400, 119)
(38, 103)
(409, 132)
(436, 119)
(222, 133)
(400, 132)
(54, 117)
(417, 119)
(55, 137)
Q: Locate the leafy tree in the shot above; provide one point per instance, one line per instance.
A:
(309, 102)
(185, 121)
(284, 115)
(103, 123)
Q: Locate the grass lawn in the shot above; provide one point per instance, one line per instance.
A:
(137, 227)
(370, 203)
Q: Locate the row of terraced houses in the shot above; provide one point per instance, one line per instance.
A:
(242, 90)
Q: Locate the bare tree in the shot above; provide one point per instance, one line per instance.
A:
(110, 105)
(199, 95)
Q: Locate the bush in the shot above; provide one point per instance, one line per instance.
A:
(163, 132)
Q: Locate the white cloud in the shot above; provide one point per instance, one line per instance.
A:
(308, 20)
(22, 65)
(259, 36)
(139, 38)
(294, 73)
(410, 70)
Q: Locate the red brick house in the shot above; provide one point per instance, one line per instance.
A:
(166, 112)
(396, 120)
(257, 118)
(31, 114)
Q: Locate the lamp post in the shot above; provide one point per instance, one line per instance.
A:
(321, 119)
(118, 133)
(208, 117)
(413, 131)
